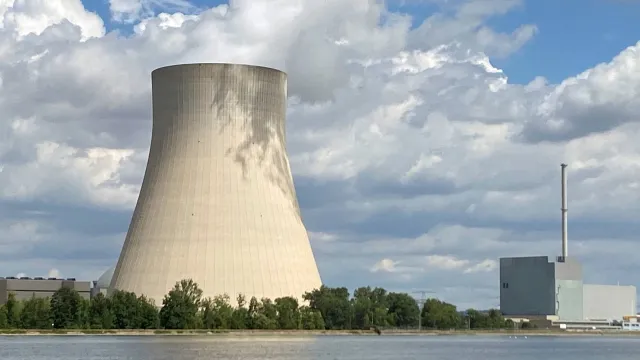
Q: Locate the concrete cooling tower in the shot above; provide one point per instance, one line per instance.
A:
(217, 202)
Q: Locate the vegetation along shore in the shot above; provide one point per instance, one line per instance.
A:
(184, 311)
(302, 333)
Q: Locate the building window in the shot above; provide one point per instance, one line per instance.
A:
(505, 285)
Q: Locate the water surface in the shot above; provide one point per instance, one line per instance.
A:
(316, 348)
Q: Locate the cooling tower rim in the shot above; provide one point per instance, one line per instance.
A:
(168, 67)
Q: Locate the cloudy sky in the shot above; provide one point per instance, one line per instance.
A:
(425, 136)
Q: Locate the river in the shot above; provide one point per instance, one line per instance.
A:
(317, 348)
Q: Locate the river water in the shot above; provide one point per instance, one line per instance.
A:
(316, 348)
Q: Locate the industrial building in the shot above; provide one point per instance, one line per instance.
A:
(217, 202)
(536, 286)
(25, 288)
(101, 286)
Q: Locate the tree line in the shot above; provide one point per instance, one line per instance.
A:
(184, 307)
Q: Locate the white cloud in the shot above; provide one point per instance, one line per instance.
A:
(385, 265)
(411, 149)
(132, 10)
(483, 266)
(24, 17)
(445, 262)
(433, 263)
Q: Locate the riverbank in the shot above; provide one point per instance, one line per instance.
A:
(320, 332)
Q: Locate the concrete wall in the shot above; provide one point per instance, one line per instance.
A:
(527, 286)
(569, 289)
(569, 301)
(217, 203)
(26, 289)
(608, 302)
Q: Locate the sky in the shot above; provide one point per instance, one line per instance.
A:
(425, 137)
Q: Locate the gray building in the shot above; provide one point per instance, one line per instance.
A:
(536, 286)
(26, 288)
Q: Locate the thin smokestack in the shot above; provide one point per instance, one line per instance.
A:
(565, 245)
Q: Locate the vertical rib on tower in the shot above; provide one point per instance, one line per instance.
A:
(217, 202)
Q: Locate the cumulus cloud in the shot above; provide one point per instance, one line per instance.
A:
(386, 265)
(433, 263)
(415, 159)
(25, 17)
(595, 101)
(130, 11)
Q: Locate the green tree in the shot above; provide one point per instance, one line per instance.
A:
(217, 313)
(438, 314)
(207, 314)
(126, 311)
(100, 315)
(83, 313)
(495, 319)
(181, 305)
(123, 307)
(14, 310)
(369, 307)
(403, 310)
(333, 304)
(66, 307)
(310, 319)
(241, 318)
(262, 315)
(36, 313)
(363, 308)
(492, 319)
(288, 316)
(147, 313)
(3, 317)
(268, 308)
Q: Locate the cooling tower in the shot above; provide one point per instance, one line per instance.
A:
(217, 202)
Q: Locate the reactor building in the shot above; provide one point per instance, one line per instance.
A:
(217, 202)
(536, 286)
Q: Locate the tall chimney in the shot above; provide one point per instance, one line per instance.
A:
(565, 245)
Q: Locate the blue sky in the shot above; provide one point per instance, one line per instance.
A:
(573, 35)
(382, 207)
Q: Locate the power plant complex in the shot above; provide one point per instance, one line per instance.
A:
(217, 203)
(538, 287)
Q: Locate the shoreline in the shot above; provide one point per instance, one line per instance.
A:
(283, 333)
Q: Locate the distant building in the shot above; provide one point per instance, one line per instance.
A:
(631, 323)
(102, 284)
(537, 286)
(26, 288)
